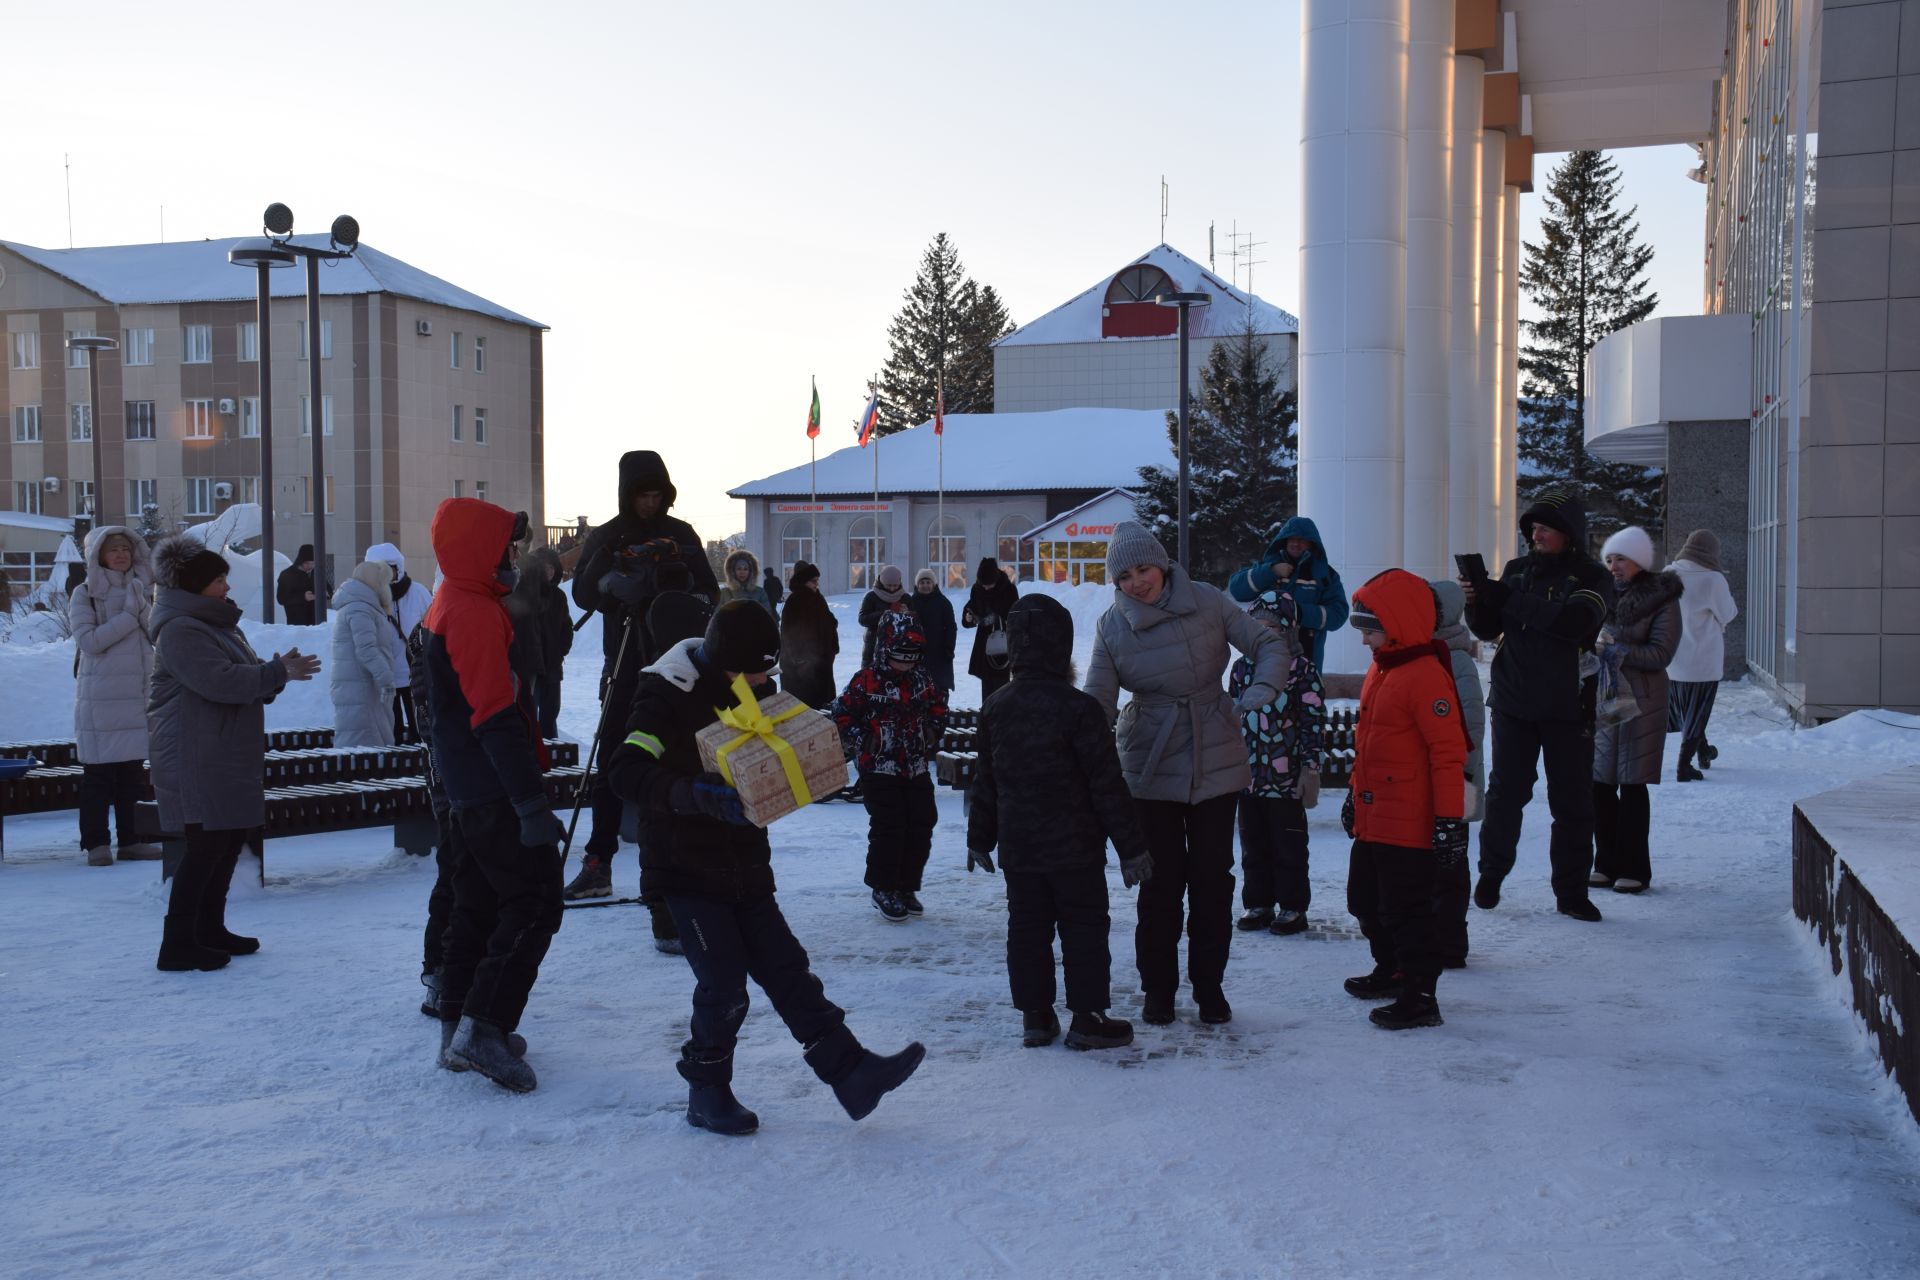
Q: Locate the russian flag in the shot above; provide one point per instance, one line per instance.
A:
(869, 419)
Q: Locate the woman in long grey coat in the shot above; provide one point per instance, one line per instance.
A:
(207, 744)
(113, 661)
(1165, 639)
(361, 674)
(1644, 633)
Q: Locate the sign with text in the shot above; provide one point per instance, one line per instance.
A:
(828, 508)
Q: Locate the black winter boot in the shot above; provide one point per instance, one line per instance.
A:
(1412, 1009)
(873, 1077)
(594, 881)
(1381, 984)
(1098, 1031)
(1040, 1029)
(714, 1108)
(179, 952)
(1287, 923)
(430, 1005)
(1583, 909)
(1156, 1011)
(1486, 894)
(1686, 772)
(1708, 753)
(483, 1047)
(1256, 918)
(1214, 1009)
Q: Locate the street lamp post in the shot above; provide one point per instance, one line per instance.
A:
(263, 257)
(1184, 301)
(93, 346)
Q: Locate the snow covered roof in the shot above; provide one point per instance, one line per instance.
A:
(198, 271)
(39, 524)
(993, 453)
(1079, 320)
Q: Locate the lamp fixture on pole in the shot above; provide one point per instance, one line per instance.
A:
(1184, 301)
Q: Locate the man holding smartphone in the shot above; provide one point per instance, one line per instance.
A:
(1545, 610)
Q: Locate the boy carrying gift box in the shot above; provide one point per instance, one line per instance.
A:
(891, 715)
(717, 876)
(1283, 750)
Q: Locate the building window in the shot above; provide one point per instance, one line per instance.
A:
(479, 425)
(1071, 563)
(26, 424)
(83, 497)
(250, 489)
(77, 357)
(199, 495)
(306, 494)
(480, 490)
(249, 417)
(80, 422)
(1139, 284)
(453, 350)
(866, 553)
(24, 351)
(199, 419)
(326, 340)
(326, 415)
(1009, 549)
(142, 494)
(459, 487)
(457, 413)
(137, 347)
(947, 552)
(199, 344)
(479, 355)
(796, 544)
(139, 419)
(26, 496)
(249, 341)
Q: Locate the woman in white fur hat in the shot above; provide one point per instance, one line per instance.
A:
(1642, 635)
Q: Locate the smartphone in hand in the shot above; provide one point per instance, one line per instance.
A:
(1472, 566)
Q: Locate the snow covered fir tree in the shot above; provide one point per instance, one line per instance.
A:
(1242, 460)
(941, 338)
(1587, 277)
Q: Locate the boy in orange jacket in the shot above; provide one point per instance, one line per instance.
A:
(1406, 807)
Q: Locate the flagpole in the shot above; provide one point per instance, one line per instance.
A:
(813, 496)
(940, 473)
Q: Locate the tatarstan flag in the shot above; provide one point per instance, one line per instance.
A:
(813, 414)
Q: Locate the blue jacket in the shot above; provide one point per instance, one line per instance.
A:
(1314, 585)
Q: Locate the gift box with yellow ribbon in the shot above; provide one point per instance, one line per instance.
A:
(779, 754)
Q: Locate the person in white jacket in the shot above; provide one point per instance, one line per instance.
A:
(361, 674)
(1699, 664)
(410, 601)
(113, 661)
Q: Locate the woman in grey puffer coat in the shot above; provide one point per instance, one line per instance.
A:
(207, 744)
(1165, 639)
(1643, 635)
(113, 661)
(361, 674)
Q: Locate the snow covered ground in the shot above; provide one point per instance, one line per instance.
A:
(1679, 1091)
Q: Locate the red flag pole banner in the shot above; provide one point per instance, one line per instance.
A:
(813, 414)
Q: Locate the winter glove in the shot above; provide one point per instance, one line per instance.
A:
(1136, 870)
(1309, 787)
(709, 794)
(1346, 814)
(538, 825)
(1450, 842)
(1256, 696)
(979, 859)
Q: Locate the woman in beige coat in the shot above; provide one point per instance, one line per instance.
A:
(113, 660)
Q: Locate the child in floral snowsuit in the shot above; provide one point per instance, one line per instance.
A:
(1283, 746)
(891, 715)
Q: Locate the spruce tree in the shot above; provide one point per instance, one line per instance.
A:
(1241, 464)
(1588, 278)
(944, 333)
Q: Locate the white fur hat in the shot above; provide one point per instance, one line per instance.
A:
(1633, 543)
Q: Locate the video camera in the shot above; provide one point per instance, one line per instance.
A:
(634, 580)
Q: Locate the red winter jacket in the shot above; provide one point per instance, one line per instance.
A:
(1410, 749)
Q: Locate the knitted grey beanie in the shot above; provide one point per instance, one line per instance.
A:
(1131, 546)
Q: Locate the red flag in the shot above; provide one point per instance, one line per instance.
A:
(813, 414)
(940, 411)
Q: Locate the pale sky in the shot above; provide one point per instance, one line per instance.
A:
(707, 204)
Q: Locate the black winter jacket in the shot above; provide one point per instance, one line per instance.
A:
(935, 612)
(1048, 791)
(640, 471)
(809, 642)
(989, 599)
(1545, 611)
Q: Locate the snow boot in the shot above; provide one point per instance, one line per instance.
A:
(1486, 894)
(1156, 1011)
(431, 1004)
(1098, 1031)
(1412, 1009)
(1624, 885)
(483, 1047)
(1581, 910)
(1255, 918)
(516, 1045)
(888, 904)
(1381, 984)
(911, 901)
(1039, 1030)
(669, 946)
(594, 881)
(1288, 922)
(141, 853)
(873, 1077)
(1708, 753)
(180, 953)
(1599, 880)
(1214, 1009)
(234, 944)
(101, 855)
(1686, 772)
(714, 1108)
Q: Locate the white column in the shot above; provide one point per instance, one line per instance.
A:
(1429, 287)
(1353, 263)
(1493, 163)
(1506, 501)
(1463, 366)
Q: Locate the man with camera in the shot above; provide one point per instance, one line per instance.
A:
(624, 566)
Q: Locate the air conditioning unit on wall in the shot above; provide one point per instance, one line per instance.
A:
(51, 484)
(423, 327)
(226, 405)
(223, 491)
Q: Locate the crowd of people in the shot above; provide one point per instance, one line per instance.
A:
(1223, 729)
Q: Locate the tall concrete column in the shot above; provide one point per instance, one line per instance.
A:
(1463, 366)
(1506, 501)
(1429, 287)
(1493, 336)
(1353, 264)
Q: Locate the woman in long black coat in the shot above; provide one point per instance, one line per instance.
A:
(988, 605)
(935, 612)
(809, 639)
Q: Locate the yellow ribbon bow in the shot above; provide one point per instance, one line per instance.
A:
(754, 724)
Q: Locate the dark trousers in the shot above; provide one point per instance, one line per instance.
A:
(1390, 891)
(1452, 891)
(900, 818)
(727, 943)
(506, 909)
(1518, 745)
(198, 900)
(115, 786)
(406, 727)
(1075, 903)
(1273, 853)
(1192, 847)
(446, 860)
(546, 700)
(1622, 817)
(1689, 707)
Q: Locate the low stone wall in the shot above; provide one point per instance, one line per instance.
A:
(1856, 881)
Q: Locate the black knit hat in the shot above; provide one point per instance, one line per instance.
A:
(742, 637)
(803, 573)
(186, 564)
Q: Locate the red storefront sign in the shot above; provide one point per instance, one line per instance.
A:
(1089, 530)
(828, 508)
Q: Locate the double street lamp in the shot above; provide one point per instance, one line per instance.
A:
(263, 257)
(93, 346)
(1184, 301)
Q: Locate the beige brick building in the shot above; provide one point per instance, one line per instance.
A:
(428, 391)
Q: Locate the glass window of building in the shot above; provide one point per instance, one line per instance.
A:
(138, 346)
(1071, 563)
(80, 422)
(199, 344)
(796, 544)
(1009, 549)
(141, 494)
(77, 356)
(947, 552)
(83, 497)
(326, 340)
(199, 419)
(139, 419)
(326, 415)
(866, 553)
(479, 425)
(249, 417)
(24, 351)
(199, 495)
(26, 424)
(1138, 284)
(249, 341)
(26, 496)
(479, 355)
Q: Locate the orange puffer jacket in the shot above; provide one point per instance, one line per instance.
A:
(1410, 755)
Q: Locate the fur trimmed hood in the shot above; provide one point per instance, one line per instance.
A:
(1646, 595)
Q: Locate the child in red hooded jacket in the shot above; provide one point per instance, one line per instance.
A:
(1407, 799)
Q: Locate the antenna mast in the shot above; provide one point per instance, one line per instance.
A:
(1163, 208)
(67, 160)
